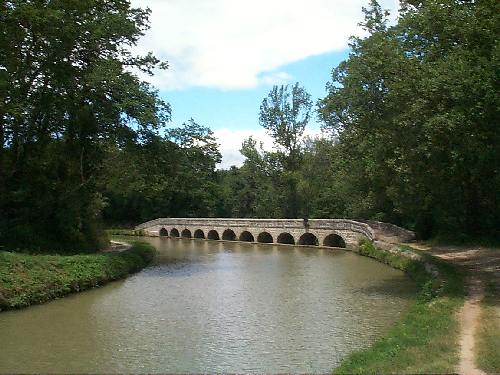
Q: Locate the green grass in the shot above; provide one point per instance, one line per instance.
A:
(125, 232)
(426, 340)
(32, 279)
(488, 333)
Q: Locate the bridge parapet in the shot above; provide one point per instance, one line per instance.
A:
(325, 232)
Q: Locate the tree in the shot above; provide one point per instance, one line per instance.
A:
(170, 175)
(195, 178)
(414, 107)
(284, 115)
(67, 91)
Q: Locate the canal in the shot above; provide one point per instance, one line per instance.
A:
(208, 306)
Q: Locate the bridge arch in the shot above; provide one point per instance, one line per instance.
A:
(186, 233)
(229, 235)
(198, 233)
(247, 236)
(265, 237)
(334, 240)
(163, 232)
(308, 239)
(286, 238)
(213, 235)
(174, 232)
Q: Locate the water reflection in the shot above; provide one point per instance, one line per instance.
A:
(215, 307)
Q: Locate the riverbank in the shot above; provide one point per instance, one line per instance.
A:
(426, 340)
(33, 279)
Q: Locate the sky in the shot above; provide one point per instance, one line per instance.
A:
(225, 56)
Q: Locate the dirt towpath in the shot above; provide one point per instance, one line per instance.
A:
(482, 265)
(469, 317)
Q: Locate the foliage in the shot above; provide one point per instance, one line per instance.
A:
(284, 115)
(267, 183)
(68, 90)
(412, 115)
(125, 232)
(171, 175)
(31, 279)
(414, 137)
(426, 340)
(256, 188)
(415, 108)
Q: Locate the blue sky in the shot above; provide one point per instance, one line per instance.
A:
(239, 109)
(225, 55)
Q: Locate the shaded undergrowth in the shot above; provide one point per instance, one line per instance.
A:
(461, 239)
(426, 340)
(125, 232)
(32, 279)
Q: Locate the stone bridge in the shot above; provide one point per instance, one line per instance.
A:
(341, 233)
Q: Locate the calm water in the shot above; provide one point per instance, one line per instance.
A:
(213, 307)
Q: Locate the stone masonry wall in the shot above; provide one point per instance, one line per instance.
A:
(350, 231)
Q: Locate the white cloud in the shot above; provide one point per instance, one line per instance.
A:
(276, 78)
(230, 143)
(231, 44)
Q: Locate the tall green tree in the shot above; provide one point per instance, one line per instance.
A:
(284, 113)
(415, 107)
(68, 87)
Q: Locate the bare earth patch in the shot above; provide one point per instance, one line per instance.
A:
(469, 318)
(117, 246)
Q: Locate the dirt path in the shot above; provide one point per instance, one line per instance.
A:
(469, 317)
(482, 264)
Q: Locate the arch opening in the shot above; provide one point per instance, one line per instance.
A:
(198, 233)
(247, 236)
(229, 235)
(265, 237)
(308, 239)
(186, 233)
(286, 238)
(163, 232)
(213, 235)
(334, 240)
(174, 233)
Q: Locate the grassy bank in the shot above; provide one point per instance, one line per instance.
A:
(426, 340)
(31, 279)
(488, 332)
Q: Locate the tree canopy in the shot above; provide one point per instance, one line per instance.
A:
(68, 88)
(415, 107)
(284, 113)
(412, 117)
